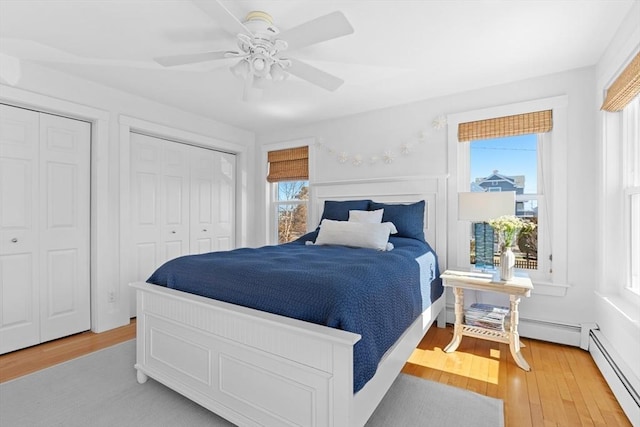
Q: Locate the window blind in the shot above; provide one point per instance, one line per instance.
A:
(624, 88)
(291, 164)
(519, 124)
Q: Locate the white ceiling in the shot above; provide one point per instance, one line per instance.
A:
(401, 51)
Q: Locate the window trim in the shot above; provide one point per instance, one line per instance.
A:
(631, 185)
(554, 155)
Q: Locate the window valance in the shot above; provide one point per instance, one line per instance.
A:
(624, 88)
(291, 164)
(519, 124)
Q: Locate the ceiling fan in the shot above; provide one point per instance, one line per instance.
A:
(262, 47)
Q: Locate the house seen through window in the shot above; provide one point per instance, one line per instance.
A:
(510, 164)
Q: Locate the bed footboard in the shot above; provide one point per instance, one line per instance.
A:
(250, 367)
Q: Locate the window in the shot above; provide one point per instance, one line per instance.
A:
(510, 164)
(543, 123)
(631, 195)
(291, 206)
(622, 177)
(289, 184)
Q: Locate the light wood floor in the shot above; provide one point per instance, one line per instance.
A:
(564, 387)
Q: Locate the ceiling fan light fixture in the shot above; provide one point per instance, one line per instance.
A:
(241, 69)
(260, 45)
(278, 73)
(259, 64)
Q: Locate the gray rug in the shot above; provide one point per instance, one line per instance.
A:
(100, 389)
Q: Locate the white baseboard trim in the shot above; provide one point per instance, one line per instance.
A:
(622, 381)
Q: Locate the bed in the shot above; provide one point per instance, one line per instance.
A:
(249, 362)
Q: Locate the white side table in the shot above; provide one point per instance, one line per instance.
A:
(516, 288)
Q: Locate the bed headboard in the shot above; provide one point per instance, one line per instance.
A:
(431, 189)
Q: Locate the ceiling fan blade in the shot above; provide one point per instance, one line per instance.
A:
(323, 28)
(192, 58)
(314, 75)
(222, 16)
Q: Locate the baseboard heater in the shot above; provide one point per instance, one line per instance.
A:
(615, 373)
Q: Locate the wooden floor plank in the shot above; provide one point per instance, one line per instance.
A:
(31, 359)
(563, 388)
(560, 390)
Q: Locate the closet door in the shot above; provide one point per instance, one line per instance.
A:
(204, 195)
(44, 227)
(145, 198)
(64, 226)
(226, 209)
(20, 303)
(174, 203)
(159, 204)
(212, 200)
(182, 201)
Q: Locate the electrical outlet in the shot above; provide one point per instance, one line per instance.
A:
(112, 296)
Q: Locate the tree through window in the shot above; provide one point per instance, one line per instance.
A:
(291, 204)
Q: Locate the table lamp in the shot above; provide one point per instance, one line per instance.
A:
(480, 207)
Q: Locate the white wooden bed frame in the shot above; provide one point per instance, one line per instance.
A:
(259, 369)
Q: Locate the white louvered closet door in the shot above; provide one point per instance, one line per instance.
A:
(44, 227)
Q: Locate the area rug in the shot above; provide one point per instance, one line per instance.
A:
(100, 389)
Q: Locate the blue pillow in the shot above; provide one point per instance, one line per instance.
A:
(408, 219)
(339, 211)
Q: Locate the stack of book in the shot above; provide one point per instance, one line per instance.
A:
(486, 316)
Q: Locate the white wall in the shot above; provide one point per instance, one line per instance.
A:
(374, 132)
(41, 88)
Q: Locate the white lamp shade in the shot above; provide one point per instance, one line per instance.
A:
(481, 207)
(241, 69)
(277, 73)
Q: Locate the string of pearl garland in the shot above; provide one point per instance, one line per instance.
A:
(387, 156)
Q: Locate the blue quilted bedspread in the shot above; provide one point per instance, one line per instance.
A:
(368, 292)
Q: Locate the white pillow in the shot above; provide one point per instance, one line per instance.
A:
(392, 227)
(354, 234)
(373, 217)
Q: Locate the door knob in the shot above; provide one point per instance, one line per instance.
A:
(173, 231)
(14, 240)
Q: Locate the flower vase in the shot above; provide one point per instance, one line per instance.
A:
(507, 263)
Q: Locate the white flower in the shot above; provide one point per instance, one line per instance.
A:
(343, 157)
(405, 148)
(357, 160)
(388, 157)
(439, 122)
(508, 227)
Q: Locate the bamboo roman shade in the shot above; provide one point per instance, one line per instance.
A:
(624, 88)
(519, 124)
(291, 164)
